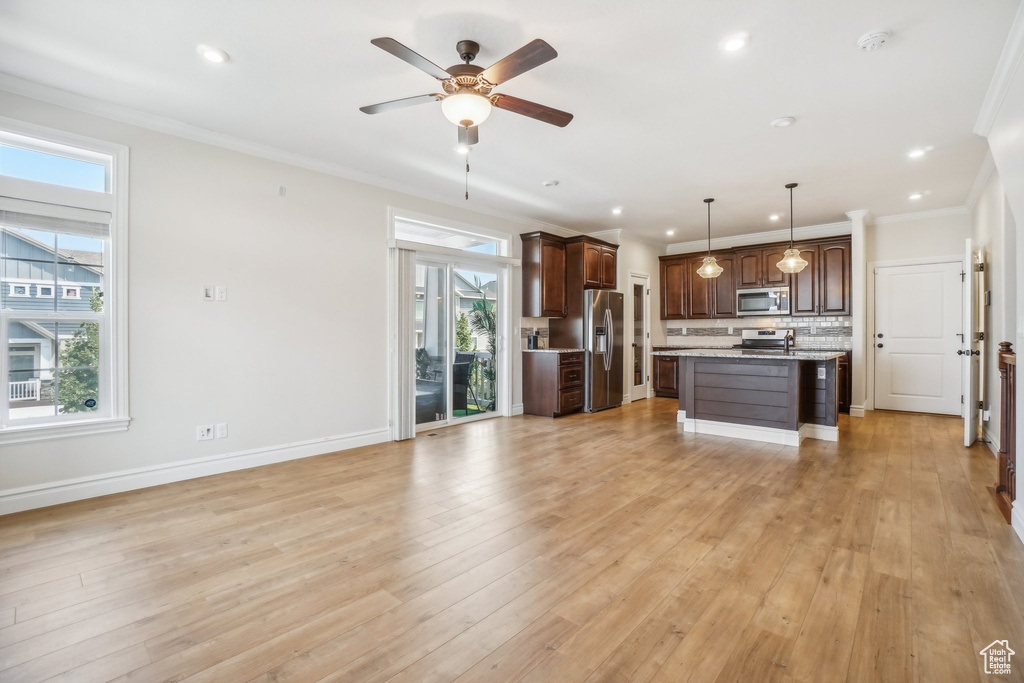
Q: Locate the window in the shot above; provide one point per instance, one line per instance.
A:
(62, 354)
(463, 238)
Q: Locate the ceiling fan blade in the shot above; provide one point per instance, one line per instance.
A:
(398, 104)
(529, 56)
(406, 55)
(469, 136)
(540, 112)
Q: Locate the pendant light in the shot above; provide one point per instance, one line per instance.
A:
(791, 261)
(709, 267)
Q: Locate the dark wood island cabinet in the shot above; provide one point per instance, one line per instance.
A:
(552, 382)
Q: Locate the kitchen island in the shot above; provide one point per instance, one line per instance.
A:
(771, 396)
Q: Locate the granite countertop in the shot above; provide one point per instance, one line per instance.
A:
(553, 350)
(690, 346)
(810, 354)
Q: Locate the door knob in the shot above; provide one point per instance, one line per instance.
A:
(880, 335)
(959, 352)
(881, 345)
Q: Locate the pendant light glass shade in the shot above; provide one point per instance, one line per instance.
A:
(709, 267)
(791, 261)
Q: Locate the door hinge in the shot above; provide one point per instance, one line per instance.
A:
(648, 291)
(961, 399)
(962, 276)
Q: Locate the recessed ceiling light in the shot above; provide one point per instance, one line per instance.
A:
(734, 42)
(670, 232)
(213, 54)
(462, 149)
(919, 152)
(617, 210)
(549, 183)
(773, 217)
(916, 195)
(783, 122)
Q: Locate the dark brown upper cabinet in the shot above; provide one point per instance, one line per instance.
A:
(700, 292)
(543, 276)
(834, 260)
(725, 287)
(804, 288)
(748, 268)
(592, 265)
(673, 288)
(609, 267)
(821, 288)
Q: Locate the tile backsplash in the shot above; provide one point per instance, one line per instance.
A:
(530, 325)
(811, 332)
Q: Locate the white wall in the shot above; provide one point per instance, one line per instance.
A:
(1003, 117)
(918, 235)
(641, 258)
(993, 235)
(297, 353)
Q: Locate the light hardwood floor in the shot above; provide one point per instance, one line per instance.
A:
(606, 547)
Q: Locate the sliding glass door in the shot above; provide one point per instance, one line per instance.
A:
(459, 333)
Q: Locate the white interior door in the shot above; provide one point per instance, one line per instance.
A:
(918, 320)
(971, 360)
(637, 373)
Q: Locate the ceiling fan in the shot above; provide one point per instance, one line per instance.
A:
(467, 98)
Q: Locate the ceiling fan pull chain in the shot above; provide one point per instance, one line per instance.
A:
(467, 176)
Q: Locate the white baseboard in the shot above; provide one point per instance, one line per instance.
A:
(857, 411)
(1017, 520)
(992, 442)
(517, 409)
(821, 432)
(784, 437)
(54, 493)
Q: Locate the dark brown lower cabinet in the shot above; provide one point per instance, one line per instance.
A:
(552, 383)
(666, 376)
(844, 384)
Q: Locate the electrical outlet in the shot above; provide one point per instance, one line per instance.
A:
(222, 430)
(204, 432)
(221, 293)
(986, 415)
(207, 292)
(821, 373)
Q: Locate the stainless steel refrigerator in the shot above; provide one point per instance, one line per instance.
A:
(602, 334)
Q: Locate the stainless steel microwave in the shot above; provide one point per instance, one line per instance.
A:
(762, 301)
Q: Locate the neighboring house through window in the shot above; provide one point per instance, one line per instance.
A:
(61, 284)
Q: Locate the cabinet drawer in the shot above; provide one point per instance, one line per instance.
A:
(570, 399)
(570, 376)
(570, 359)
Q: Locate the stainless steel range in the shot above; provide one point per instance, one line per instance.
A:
(766, 340)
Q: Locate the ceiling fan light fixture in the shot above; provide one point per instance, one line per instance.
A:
(466, 108)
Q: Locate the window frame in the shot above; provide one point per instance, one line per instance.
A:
(113, 320)
(39, 292)
(12, 293)
(64, 292)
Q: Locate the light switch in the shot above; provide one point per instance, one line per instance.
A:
(821, 373)
(221, 293)
(207, 292)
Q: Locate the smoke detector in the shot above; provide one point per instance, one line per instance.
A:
(869, 42)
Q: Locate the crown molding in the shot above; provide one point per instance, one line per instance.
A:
(923, 215)
(1006, 68)
(614, 236)
(988, 166)
(809, 232)
(160, 124)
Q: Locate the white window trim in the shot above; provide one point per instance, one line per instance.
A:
(64, 292)
(115, 274)
(28, 289)
(505, 239)
(39, 291)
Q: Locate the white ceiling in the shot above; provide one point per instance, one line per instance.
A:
(664, 118)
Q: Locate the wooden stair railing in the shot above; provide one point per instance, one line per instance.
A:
(1006, 490)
